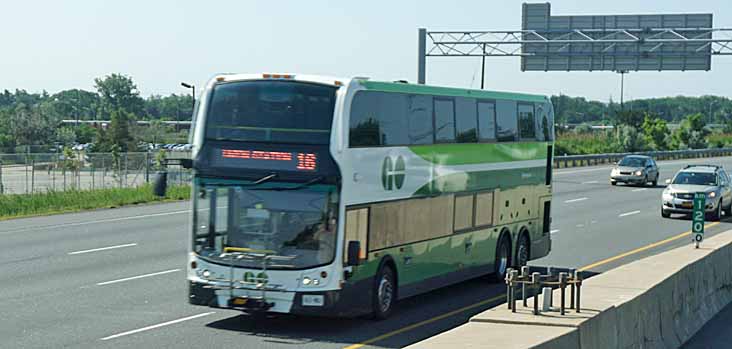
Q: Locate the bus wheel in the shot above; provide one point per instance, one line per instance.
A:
(384, 293)
(522, 251)
(503, 258)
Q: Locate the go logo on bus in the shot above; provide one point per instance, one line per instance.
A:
(250, 277)
(392, 173)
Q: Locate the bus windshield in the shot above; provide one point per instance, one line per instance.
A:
(271, 111)
(299, 224)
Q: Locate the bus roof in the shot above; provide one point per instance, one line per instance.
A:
(448, 91)
(392, 86)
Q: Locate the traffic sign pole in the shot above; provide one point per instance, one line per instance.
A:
(697, 218)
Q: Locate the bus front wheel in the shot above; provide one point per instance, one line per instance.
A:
(384, 295)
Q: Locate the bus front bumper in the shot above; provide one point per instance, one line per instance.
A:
(353, 300)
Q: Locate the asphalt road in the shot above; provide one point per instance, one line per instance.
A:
(116, 278)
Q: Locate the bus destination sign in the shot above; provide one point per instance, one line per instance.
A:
(276, 160)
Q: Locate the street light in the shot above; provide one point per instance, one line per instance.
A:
(193, 94)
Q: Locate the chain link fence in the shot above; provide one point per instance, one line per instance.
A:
(42, 172)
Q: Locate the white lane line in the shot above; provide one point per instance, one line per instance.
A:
(640, 189)
(152, 327)
(103, 248)
(552, 232)
(591, 182)
(138, 277)
(628, 213)
(574, 200)
(556, 173)
(96, 222)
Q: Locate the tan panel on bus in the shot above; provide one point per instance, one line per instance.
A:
(463, 212)
(484, 209)
(356, 228)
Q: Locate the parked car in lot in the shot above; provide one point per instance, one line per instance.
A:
(678, 197)
(635, 169)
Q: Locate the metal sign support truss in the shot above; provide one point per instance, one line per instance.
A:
(678, 42)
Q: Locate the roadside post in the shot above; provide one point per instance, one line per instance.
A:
(697, 221)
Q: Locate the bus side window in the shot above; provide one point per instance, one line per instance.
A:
(487, 121)
(357, 224)
(527, 122)
(507, 121)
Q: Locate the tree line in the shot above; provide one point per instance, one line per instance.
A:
(34, 119)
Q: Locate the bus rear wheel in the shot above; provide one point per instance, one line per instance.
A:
(522, 251)
(384, 294)
(503, 258)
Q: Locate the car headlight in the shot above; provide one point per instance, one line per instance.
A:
(712, 194)
(639, 173)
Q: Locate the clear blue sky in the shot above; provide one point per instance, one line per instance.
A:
(57, 45)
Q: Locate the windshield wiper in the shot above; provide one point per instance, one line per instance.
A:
(299, 186)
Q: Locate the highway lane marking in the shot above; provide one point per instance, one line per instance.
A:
(591, 182)
(574, 200)
(554, 231)
(103, 249)
(628, 213)
(640, 189)
(96, 221)
(425, 322)
(152, 327)
(641, 249)
(138, 277)
(497, 298)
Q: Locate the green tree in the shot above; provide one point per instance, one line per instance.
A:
(656, 132)
(65, 135)
(631, 118)
(630, 139)
(691, 134)
(119, 130)
(119, 92)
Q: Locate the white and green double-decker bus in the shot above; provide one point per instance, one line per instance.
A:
(325, 196)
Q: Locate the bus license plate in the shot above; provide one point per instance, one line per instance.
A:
(310, 300)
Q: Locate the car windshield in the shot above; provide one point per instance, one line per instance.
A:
(696, 178)
(298, 225)
(632, 162)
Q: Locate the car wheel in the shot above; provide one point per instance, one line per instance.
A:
(728, 209)
(522, 251)
(503, 258)
(655, 180)
(645, 181)
(384, 295)
(714, 217)
(613, 183)
(665, 214)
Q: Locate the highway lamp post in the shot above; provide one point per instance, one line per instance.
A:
(710, 112)
(193, 95)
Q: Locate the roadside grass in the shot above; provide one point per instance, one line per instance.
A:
(53, 202)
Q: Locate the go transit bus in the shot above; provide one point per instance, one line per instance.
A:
(339, 197)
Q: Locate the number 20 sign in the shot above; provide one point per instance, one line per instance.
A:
(697, 221)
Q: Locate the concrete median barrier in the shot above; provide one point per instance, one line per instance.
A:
(657, 302)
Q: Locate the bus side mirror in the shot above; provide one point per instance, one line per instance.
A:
(353, 257)
(160, 185)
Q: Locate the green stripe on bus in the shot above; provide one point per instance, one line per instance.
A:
(483, 180)
(449, 91)
(479, 153)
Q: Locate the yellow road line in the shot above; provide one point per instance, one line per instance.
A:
(641, 249)
(425, 322)
(486, 301)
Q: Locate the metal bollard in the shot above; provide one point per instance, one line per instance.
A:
(536, 284)
(571, 293)
(579, 286)
(508, 287)
(563, 287)
(524, 275)
(514, 275)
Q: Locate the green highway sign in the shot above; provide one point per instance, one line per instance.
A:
(697, 217)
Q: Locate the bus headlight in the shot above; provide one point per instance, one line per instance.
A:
(306, 281)
(205, 273)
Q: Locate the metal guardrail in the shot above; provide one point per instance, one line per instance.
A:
(599, 159)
